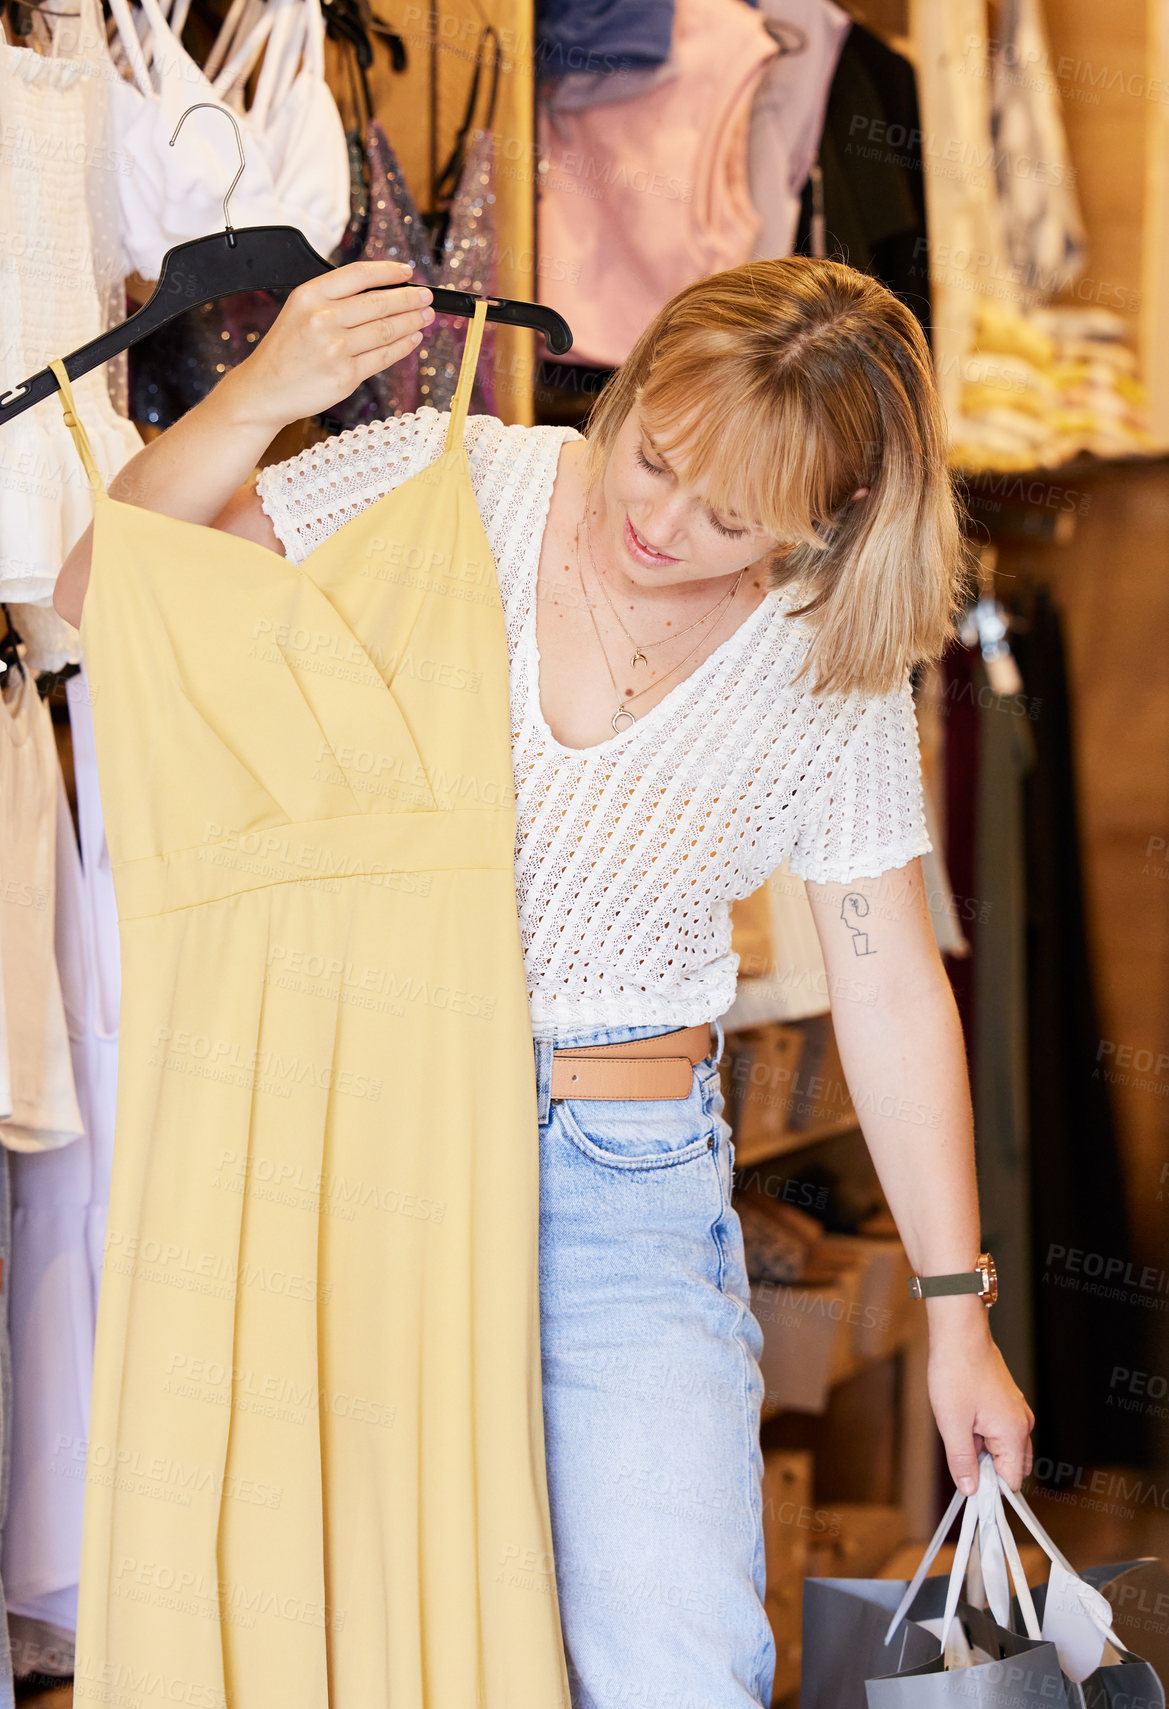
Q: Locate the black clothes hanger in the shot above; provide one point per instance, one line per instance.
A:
(349, 20)
(273, 258)
(343, 25)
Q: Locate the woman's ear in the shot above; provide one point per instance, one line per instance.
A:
(861, 492)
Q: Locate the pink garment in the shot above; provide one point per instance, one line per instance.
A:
(639, 198)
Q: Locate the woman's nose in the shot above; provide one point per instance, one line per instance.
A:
(665, 521)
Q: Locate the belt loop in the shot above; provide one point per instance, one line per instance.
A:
(543, 1048)
(720, 1039)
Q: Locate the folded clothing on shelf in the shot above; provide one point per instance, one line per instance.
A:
(779, 1241)
(1043, 386)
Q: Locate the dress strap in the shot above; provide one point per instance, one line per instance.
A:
(73, 423)
(470, 361)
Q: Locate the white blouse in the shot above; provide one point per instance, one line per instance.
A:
(630, 853)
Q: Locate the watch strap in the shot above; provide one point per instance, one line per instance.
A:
(930, 1287)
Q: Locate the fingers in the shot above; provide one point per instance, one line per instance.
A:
(360, 276)
(379, 305)
(367, 305)
(382, 356)
(962, 1459)
(1011, 1453)
(387, 331)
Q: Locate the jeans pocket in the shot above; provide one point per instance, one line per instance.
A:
(654, 1133)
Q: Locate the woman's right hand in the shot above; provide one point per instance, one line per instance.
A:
(331, 334)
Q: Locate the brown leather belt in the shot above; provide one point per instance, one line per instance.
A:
(658, 1067)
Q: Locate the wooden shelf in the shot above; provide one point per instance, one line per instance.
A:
(784, 1088)
(1076, 468)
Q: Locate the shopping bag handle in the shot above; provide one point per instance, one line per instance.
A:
(998, 1553)
(1094, 1604)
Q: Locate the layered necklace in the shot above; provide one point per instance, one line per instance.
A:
(638, 656)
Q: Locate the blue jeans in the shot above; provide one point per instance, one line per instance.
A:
(652, 1394)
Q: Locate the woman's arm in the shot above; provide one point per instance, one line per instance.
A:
(331, 334)
(901, 1048)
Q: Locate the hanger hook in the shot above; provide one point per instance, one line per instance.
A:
(216, 108)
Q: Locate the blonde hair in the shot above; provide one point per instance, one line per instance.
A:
(781, 388)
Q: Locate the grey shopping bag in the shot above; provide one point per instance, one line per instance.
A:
(1022, 1673)
(975, 1657)
(1123, 1679)
(845, 1622)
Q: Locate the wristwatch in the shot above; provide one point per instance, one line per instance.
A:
(984, 1282)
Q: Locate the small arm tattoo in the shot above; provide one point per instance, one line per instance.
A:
(856, 907)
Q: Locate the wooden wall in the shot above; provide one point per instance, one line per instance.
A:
(1112, 585)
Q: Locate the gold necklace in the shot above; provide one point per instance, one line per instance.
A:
(637, 646)
(623, 709)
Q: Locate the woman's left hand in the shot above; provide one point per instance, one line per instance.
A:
(977, 1405)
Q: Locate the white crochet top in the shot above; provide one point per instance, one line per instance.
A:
(629, 854)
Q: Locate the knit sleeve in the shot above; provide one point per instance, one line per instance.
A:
(309, 496)
(866, 814)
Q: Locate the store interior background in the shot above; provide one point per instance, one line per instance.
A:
(861, 1474)
(854, 1487)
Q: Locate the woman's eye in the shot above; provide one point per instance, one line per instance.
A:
(721, 528)
(652, 468)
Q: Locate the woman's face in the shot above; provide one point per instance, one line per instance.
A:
(657, 530)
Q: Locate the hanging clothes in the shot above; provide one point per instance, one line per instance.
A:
(787, 118)
(601, 35)
(60, 1200)
(395, 233)
(639, 198)
(60, 268)
(326, 1099)
(465, 262)
(296, 166)
(580, 89)
(959, 706)
(1077, 1181)
(44, 1110)
(175, 367)
(58, 1217)
(1006, 753)
(872, 173)
(1041, 220)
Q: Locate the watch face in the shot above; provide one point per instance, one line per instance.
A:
(990, 1280)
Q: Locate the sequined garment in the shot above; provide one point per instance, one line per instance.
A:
(174, 368)
(354, 235)
(467, 264)
(397, 233)
(394, 233)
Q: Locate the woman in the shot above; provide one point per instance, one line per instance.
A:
(712, 605)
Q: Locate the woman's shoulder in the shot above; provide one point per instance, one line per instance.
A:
(496, 447)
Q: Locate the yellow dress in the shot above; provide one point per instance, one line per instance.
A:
(315, 1476)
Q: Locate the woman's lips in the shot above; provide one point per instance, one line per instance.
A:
(638, 549)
